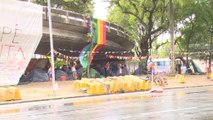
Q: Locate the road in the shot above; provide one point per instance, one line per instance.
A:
(173, 104)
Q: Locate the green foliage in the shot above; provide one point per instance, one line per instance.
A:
(197, 22)
(92, 73)
(144, 20)
(164, 50)
(79, 6)
(59, 64)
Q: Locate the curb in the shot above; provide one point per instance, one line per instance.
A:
(70, 97)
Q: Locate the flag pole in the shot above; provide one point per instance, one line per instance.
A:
(54, 84)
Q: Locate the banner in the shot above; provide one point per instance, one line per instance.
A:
(20, 34)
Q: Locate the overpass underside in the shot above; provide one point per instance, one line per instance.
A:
(69, 33)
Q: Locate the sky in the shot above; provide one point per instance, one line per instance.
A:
(100, 10)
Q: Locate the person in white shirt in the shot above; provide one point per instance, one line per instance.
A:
(74, 72)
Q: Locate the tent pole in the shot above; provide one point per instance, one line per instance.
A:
(54, 85)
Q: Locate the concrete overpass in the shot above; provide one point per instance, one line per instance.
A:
(70, 30)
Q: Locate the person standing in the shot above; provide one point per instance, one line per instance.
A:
(74, 72)
(119, 71)
(125, 71)
(178, 64)
(106, 69)
(114, 69)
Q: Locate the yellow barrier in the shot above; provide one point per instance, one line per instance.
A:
(5, 94)
(112, 85)
(107, 87)
(142, 85)
(9, 93)
(79, 85)
(91, 89)
(137, 85)
(131, 85)
(76, 85)
(15, 92)
(99, 88)
(148, 85)
(211, 76)
(182, 79)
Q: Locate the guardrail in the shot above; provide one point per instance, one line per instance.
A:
(70, 17)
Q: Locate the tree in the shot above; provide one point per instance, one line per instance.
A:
(79, 6)
(164, 50)
(197, 27)
(144, 20)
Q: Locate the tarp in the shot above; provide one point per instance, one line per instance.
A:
(37, 75)
(20, 33)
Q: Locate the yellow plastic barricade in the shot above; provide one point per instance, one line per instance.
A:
(182, 79)
(107, 87)
(131, 85)
(100, 88)
(5, 94)
(92, 88)
(104, 87)
(211, 76)
(142, 85)
(15, 92)
(114, 86)
(77, 85)
(148, 85)
(83, 85)
(137, 84)
(124, 86)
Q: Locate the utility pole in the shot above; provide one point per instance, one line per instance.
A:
(210, 53)
(54, 84)
(171, 26)
(211, 44)
(91, 44)
(211, 48)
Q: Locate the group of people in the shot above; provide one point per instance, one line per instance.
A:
(112, 69)
(67, 72)
(74, 70)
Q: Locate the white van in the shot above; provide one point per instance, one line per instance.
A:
(163, 64)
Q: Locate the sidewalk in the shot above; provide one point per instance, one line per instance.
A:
(44, 91)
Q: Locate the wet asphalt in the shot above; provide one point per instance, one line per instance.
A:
(174, 104)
